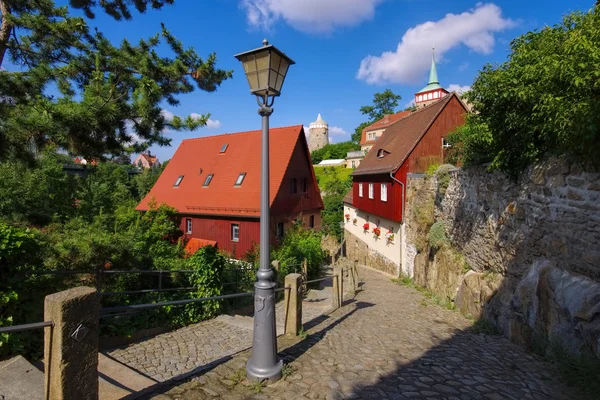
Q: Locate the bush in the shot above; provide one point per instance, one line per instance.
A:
(300, 243)
(437, 235)
(208, 265)
(442, 175)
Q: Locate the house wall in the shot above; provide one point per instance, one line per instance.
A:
(366, 247)
(390, 209)
(289, 205)
(356, 162)
(219, 229)
(429, 150)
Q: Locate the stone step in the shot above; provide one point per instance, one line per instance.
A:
(117, 381)
(245, 322)
(19, 379)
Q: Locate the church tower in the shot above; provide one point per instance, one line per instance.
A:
(433, 91)
(318, 134)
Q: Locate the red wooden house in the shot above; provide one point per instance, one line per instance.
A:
(214, 183)
(377, 197)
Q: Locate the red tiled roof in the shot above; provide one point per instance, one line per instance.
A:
(150, 159)
(195, 159)
(399, 140)
(384, 122)
(195, 244)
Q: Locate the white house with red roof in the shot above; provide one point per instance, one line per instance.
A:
(214, 184)
(146, 160)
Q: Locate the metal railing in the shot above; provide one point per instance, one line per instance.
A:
(26, 327)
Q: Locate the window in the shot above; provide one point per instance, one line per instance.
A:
(279, 230)
(224, 148)
(207, 180)
(370, 190)
(436, 95)
(178, 181)
(420, 97)
(380, 153)
(311, 221)
(304, 185)
(360, 192)
(429, 96)
(235, 232)
(384, 192)
(353, 164)
(240, 179)
(445, 143)
(188, 225)
(293, 186)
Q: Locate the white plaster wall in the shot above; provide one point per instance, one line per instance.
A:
(391, 250)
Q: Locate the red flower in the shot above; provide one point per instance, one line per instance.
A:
(376, 231)
(366, 226)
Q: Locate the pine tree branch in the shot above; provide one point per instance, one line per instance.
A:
(5, 29)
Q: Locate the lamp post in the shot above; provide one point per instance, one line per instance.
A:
(265, 68)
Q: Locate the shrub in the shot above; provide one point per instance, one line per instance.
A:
(300, 243)
(437, 235)
(431, 169)
(208, 265)
(442, 175)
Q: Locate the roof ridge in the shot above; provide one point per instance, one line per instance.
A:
(241, 133)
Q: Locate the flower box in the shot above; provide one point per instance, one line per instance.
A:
(389, 236)
(376, 231)
(366, 226)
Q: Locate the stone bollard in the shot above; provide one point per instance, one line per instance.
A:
(351, 278)
(71, 346)
(337, 296)
(293, 304)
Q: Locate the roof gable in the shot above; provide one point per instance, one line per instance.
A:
(399, 139)
(195, 159)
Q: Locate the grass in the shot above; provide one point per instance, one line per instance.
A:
(287, 370)
(302, 333)
(442, 302)
(257, 387)
(486, 327)
(238, 376)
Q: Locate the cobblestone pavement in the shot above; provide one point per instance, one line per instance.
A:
(197, 347)
(389, 342)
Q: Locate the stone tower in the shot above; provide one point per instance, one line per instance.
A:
(318, 134)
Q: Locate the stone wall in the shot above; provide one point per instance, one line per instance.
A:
(532, 250)
(356, 249)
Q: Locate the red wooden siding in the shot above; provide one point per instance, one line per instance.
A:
(219, 229)
(429, 150)
(288, 205)
(387, 209)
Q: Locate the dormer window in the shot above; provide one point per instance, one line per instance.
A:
(207, 180)
(178, 181)
(224, 148)
(381, 153)
(240, 179)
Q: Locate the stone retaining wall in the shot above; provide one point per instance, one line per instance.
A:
(532, 249)
(356, 249)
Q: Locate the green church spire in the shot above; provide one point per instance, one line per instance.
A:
(433, 78)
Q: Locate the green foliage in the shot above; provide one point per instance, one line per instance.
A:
(333, 151)
(437, 235)
(544, 99)
(102, 88)
(300, 243)
(442, 175)
(208, 265)
(334, 183)
(485, 327)
(471, 143)
(442, 302)
(383, 103)
(431, 169)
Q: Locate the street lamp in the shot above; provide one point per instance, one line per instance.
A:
(265, 69)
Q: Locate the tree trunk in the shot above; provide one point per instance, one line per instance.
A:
(5, 29)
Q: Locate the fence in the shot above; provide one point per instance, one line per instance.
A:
(72, 316)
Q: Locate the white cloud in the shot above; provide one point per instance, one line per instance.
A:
(474, 28)
(312, 16)
(337, 131)
(463, 67)
(453, 87)
(330, 140)
(210, 124)
(167, 114)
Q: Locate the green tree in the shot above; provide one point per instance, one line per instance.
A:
(334, 188)
(333, 151)
(383, 103)
(543, 100)
(106, 93)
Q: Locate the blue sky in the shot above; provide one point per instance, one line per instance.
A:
(331, 41)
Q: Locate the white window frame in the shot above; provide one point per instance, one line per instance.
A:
(178, 181)
(188, 226)
(445, 143)
(360, 190)
(240, 179)
(371, 191)
(235, 232)
(208, 180)
(384, 192)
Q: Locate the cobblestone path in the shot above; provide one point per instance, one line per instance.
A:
(389, 342)
(198, 347)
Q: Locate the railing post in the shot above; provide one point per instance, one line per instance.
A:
(159, 284)
(351, 277)
(293, 304)
(305, 275)
(336, 299)
(276, 267)
(71, 346)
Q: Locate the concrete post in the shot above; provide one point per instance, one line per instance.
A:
(339, 271)
(293, 304)
(352, 277)
(71, 346)
(305, 272)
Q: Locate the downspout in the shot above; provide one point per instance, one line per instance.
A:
(402, 234)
